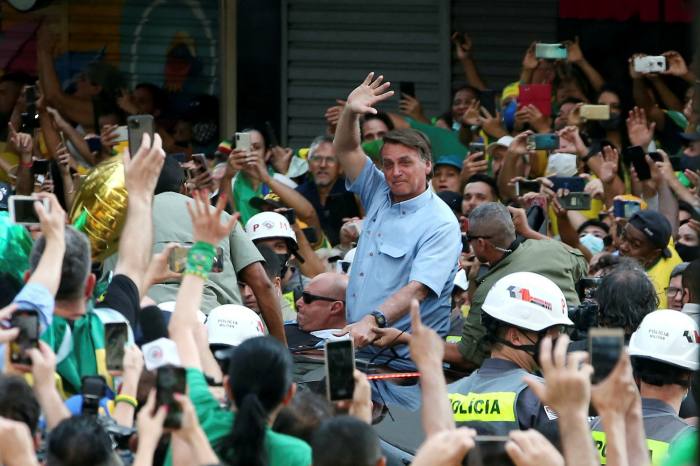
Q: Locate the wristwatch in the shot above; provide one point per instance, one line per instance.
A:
(380, 318)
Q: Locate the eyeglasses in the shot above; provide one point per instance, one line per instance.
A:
(309, 298)
(320, 160)
(673, 291)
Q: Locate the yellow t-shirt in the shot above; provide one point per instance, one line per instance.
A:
(660, 274)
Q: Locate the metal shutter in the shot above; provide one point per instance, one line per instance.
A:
(501, 31)
(329, 46)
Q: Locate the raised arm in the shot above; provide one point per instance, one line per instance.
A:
(575, 56)
(208, 231)
(140, 175)
(347, 142)
(463, 47)
(53, 227)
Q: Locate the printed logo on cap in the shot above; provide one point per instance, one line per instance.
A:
(692, 338)
(523, 294)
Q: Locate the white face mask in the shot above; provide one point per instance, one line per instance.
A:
(592, 243)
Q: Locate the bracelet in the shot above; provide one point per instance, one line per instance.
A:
(200, 259)
(128, 399)
(27, 164)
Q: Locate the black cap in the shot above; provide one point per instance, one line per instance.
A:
(655, 227)
(453, 200)
(261, 203)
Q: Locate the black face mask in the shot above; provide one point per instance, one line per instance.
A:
(613, 123)
(690, 163)
(687, 253)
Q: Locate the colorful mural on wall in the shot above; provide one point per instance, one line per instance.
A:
(171, 43)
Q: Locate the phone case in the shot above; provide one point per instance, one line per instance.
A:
(595, 112)
(138, 125)
(243, 141)
(539, 95)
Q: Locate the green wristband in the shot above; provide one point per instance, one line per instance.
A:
(200, 259)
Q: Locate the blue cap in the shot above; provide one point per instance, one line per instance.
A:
(453, 160)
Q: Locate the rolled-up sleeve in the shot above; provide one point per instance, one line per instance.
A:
(437, 257)
(368, 184)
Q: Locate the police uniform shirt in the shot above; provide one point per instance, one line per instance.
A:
(494, 400)
(661, 425)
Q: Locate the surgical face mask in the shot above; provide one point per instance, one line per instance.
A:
(687, 253)
(509, 115)
(592, 243)
(611, 124)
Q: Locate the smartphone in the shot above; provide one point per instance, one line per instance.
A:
(488, 450)
(94, 144)
(551, 51)
(138, 125)
(526, 186)
(272, 140)
(290, 215)
(243, 141)
(21, 209)
(595, 112)
(585, 288)
(576, 201)
(656, 157)
(116, 336)
(94, 389)
(200, 166)
(650, 64)
(476, 147)
(487, 98)
(40, 167)
(340, 365)
(624, 208)
(180, 157)
(27, 321)
(29, 118)
(170, 380)
(634, 155)
(605, 348)
(407, 88)
(178, 259)
(571, 183)
(311, 235)
(539, 95)
(547, 141)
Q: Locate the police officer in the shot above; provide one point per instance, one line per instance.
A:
(664, 353)
(518, 312)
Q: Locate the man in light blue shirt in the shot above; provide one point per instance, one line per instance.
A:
(410, 242)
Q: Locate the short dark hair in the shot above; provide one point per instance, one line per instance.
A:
(625, 296)
(157, 93)
(76, 263)
(691, 280)
(80, 441)
(593, 223)
(410, 138)
(659, 373)
(381, 116)
(481, 178)
(303, 415)
(17, 401)
(570, 100)
(345, 441)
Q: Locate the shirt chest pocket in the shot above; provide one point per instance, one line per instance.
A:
(392, 264)
(390, 251)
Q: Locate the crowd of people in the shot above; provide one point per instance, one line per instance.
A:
(471, 258)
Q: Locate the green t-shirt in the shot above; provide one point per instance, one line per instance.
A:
(243, 192)
(216, 422)
(683, 452)
(442, 141)
(171, 223)
(561, 264)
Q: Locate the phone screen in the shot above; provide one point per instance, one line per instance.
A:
(635, 156)
(40, 167)
(28, 323)
(340, 365)
(178, 258)
(605, 348)
(116, 336)
(23, 210)
(572, 183)
(218, 265)
(138, 125)
(170, 380)
(407, 88)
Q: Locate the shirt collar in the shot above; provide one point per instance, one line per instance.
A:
(691, 309)
(498, 364)
(414, 204)
(653, 404)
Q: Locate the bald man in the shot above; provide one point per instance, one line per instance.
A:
(320, 310)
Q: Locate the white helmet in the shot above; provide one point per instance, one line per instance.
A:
(232, 324)
(169, 306)
(267, 225)
(667, 336)
(527, 300)
(345, 264)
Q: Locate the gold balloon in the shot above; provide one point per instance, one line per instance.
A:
(102, 201)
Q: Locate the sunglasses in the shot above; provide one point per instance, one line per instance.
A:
(309, 298)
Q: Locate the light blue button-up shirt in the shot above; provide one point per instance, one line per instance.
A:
(415, 240)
